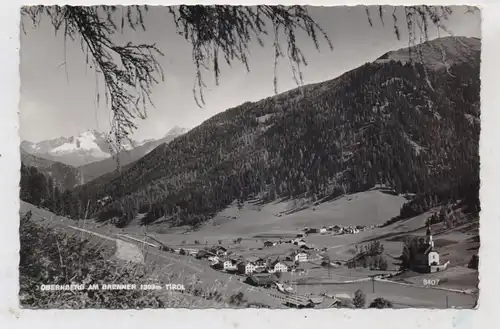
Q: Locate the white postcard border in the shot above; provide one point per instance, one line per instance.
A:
(11, 316)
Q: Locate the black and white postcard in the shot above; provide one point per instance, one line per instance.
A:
(269, 157)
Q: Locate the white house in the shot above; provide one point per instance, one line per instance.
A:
(246, 267)
(230, 265)
(300, 257)
(257, 261)
(299, 242)
(323, 230)
(277, 266)
(214, 259)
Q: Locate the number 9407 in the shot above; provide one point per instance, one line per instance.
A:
(431, 282)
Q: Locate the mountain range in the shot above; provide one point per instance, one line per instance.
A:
(74, 160)
(87, 147)
(93, 170)
(412, 125)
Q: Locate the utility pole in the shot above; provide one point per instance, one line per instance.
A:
(373, 284)
(447, 304)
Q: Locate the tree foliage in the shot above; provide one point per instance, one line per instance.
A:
(359, 299)
(474, 262)
(381, 303)
(412, 256)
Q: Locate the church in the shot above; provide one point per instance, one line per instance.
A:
(429, 260)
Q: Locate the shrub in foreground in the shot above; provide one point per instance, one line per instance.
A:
(381, 303)
(51, 257)
(359, 299)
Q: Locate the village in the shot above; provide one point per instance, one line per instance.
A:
(278, 265)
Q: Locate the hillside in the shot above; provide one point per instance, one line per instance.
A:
(64, 176)
(435, 54)
(387, 122)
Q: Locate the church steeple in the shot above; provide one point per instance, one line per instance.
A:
(429, 235)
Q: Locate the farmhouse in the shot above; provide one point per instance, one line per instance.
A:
(230, 265)
(204, 254)
(219, 250)
(299, 256)
(246, 267)
(260, 269)
(214, 259)
(299, 242)
(306, 247)
(260, 280)
(298, 301)
(268, 244)
(323, 230)
(257, 261)
(277, 266)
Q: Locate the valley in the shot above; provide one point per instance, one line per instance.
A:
(457, 286)
(367, 184)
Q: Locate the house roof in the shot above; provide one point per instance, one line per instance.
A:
(297, 300)
(276, 261)
(245, 263)
(261, 279)
(316, 300)
(328, 302)
(253, 259)
(259, 270)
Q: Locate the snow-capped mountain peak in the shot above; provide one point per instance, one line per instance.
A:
(176, 131)
(89, 141)
(86, 147)
(92, 146)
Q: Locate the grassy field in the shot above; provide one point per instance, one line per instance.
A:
(255, 223)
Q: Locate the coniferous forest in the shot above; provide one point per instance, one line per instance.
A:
(398, 124)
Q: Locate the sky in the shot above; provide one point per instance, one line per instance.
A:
(58, 89)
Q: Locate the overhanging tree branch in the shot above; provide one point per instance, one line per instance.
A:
(216, 33)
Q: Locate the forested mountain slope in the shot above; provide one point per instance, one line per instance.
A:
(99, 168)
(403, 124)
(63, 176)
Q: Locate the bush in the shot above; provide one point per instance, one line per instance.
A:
(237, 299)
(182, 252)
(359, 299)
(381, 303)
(44, 256)
(474, 262)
